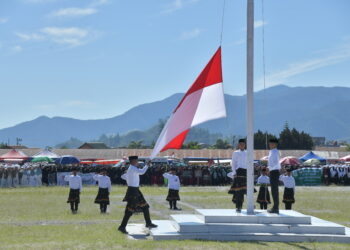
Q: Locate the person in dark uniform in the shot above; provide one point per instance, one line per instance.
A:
(264, 195)
(274, 167)
(104, 189)
(289, 189)
(239, 175)
(134, 198)
(75, 185)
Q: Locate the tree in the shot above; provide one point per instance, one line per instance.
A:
(136, 144)
(222, 144)
(192, 145)
(261, 139)
(293, 139)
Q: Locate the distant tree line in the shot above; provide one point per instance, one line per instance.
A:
(199, 138)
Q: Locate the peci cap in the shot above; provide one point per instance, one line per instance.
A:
(134, 157)
(273, 140)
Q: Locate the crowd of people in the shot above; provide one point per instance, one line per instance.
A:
(338, 174)
(37, 174)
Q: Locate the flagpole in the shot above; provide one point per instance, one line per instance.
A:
(250, 106)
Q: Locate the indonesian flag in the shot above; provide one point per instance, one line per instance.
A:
(204, 101)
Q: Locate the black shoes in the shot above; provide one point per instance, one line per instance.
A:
(273, 211)
(151, 225)
(122, 230)
(178, 209)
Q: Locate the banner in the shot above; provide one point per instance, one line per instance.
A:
(308, 176)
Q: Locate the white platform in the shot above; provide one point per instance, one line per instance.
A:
(227, 225)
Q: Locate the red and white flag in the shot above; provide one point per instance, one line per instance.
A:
(204, 101)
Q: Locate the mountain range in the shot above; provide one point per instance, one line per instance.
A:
(319, 111)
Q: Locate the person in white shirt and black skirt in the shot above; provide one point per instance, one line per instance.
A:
(289, 189)
(239, 175)
(134, 198)
(174, 187)
(104, 189)
(274, 167)
(75, 185)
(264, 195)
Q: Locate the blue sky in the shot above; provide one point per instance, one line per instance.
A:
(92, 59)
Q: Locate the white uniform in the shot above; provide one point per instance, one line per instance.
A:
(103, 181)
(75, 182)
(239, 160)
(263, 179)
(173, 181)
(132, 176)
(288, 181)
(274, 160)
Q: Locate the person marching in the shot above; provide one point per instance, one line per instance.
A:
(264, 195)
(134, 198)
(274, 167)
(174, 187)
(239, 175)
(104, 189)
(75, 185)
(289, 189)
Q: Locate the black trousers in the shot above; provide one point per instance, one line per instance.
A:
(74, 206)
(288, 205)
(128, 214)
(274, 181)
(263, 205)
(103, 207)
(172, 204)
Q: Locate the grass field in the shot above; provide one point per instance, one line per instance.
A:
(39, 218)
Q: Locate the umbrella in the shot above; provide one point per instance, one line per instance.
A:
(311, 162)
(265, 158)
(42, 159)
(67, 159)
(14, 154)
(290, 160)
(47, 153)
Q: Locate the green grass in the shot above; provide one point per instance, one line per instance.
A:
(39, 218)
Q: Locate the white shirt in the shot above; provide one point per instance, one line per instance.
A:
(103, 181)
(132, 176)
(239, 160)
(263, 179)
(75, 182)
(288, 181)
(274, 160)
(173, 181)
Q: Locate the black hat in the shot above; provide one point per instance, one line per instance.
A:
(241, 140)
(134, 157)
(273, 140)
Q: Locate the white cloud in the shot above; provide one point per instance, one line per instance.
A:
(176, 5)
(332, 57)
(190, 34)
(3, 20)
(74, 12)
(70, 36)
(28, 37)
(259, 23)
(17, 48)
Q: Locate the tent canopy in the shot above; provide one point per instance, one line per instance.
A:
(345, 158)
(67, 159)
(311, 162)
(46, 153)
(312, 155)
(14, 154)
